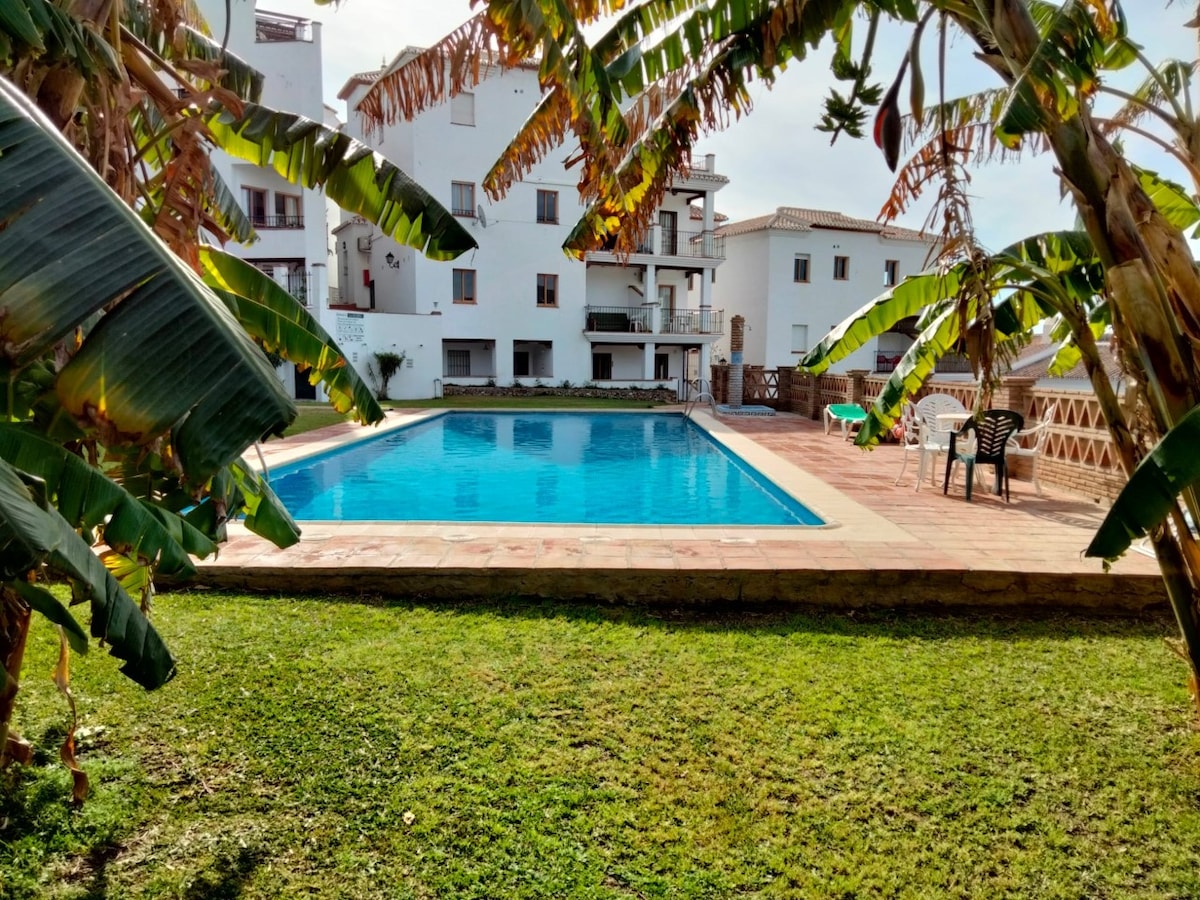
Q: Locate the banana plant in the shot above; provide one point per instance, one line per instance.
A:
(1151, 494)
(1032, 280)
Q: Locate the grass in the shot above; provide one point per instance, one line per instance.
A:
(318, 415)
(316, 748)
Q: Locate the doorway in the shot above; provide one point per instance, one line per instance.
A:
(304, 390)
(670, 232)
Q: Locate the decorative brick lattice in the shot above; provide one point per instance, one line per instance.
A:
(1078, 455)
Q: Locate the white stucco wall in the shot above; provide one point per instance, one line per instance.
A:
(757, 281)
(514, 248)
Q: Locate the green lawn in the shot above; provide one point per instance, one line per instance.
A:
(318, 415)
(316, 748)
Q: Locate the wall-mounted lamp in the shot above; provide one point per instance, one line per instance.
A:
(391, 260)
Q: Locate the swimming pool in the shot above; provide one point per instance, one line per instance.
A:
(593, 468)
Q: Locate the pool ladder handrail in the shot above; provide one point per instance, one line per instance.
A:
(701, 393)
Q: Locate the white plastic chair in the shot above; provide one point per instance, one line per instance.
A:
(933, 405)
(1029, 443)
(917, 440)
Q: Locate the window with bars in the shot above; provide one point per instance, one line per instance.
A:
(547, 290)
(800, 267)
(458, 362)
(841, 268)
(462, 198)
(547, 207)
(464, 286)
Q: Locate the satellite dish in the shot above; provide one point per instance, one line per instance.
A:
(479, 214)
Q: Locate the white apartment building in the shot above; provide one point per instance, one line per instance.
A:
(291, 221)
(518, 309)
(796, 273)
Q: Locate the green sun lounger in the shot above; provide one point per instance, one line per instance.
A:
(846, 415)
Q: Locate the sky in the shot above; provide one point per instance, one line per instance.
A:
(774, 156)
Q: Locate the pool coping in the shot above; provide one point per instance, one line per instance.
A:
(844, 519)
(888, 547)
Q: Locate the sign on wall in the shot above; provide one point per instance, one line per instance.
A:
(350, 328)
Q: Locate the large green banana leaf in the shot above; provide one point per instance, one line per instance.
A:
(86, 499)
(32, 533)
(1170, 468)
(265, 515)
(355, 177)
(908, 298)
(169, 355)
(917, 364)
(274, 316)
(44, 602)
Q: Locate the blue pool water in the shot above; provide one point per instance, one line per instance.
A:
(596, 468)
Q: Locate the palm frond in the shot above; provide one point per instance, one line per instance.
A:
(284, 326)
(359, 180)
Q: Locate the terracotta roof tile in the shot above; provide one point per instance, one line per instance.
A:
(1035, 360)
(796, 218)
(696, 214)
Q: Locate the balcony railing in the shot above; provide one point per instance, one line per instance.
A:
(690, 244)
(952, 363)
(887, 362)
(273, 28)
(693, 244)
(277, 221)
(641, 320)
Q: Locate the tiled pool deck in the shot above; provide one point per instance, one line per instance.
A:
(890, 546)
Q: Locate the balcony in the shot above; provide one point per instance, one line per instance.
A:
(950, 364)
(887, 362)
(275, 28)
(293, 222)
(649, 320)
(663, 242)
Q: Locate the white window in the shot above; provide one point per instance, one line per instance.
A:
(547, 207)
(462, 109)
(287, 211)
(464, 286)
(256, 206)
(462, 198)
(800, 267)
(547, 290)
(841, 268)
(458, 362)
(799, 338)
(891, 272)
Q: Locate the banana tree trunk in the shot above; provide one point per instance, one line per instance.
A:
(14, 630)
(1153, 288)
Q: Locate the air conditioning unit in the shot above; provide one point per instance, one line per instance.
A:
(364, 245)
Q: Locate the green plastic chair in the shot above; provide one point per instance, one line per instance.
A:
(845, 414)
